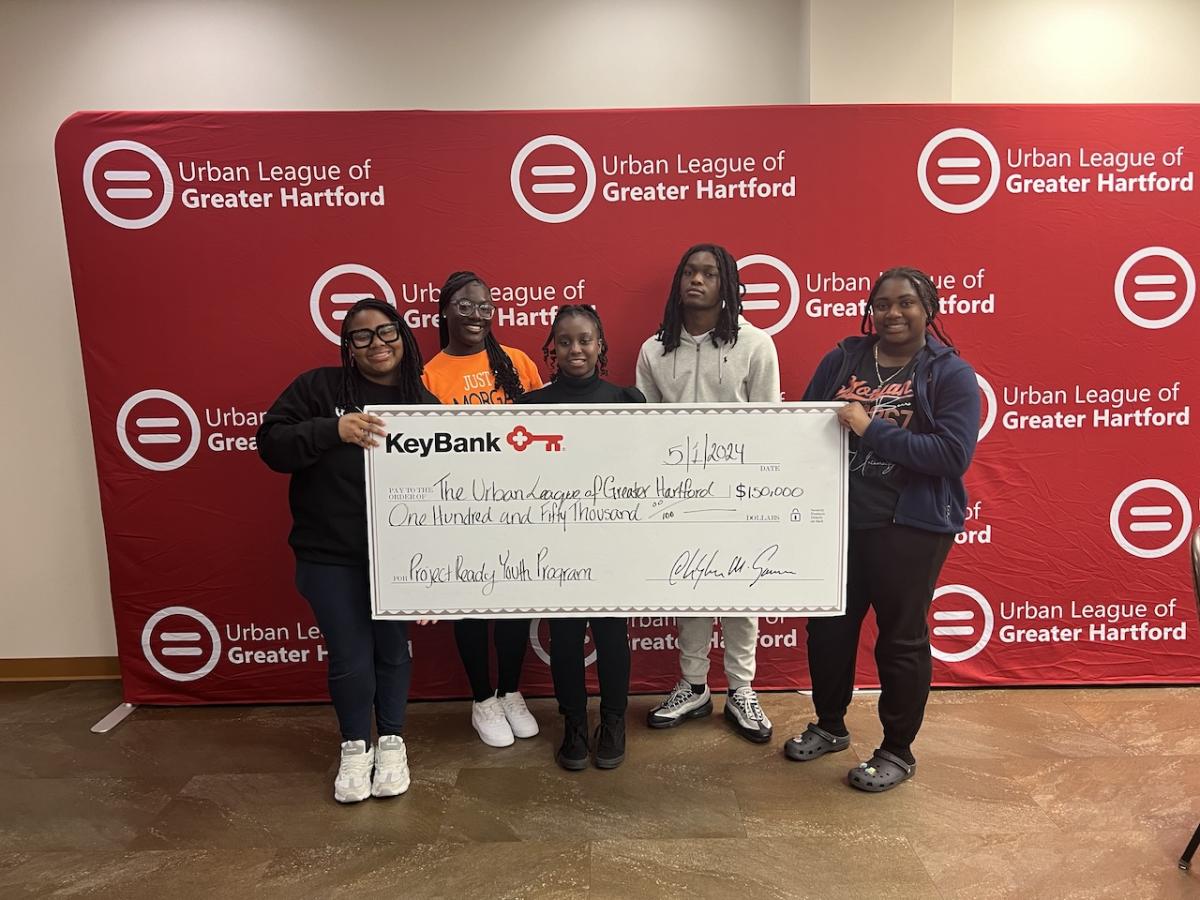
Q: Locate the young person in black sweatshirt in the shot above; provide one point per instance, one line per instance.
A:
(316, 432)
(577, 350)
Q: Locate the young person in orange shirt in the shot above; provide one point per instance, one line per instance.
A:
(475, 369)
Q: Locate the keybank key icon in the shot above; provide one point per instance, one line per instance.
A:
(128, 184)
(772, 294)
(1150, 518)
(958, 170)
(339, 288)
(553, 179)
(1155, 287)
(158, 430)
(961, 623)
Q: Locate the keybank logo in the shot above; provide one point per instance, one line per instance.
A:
(958, 170)
(442, 442)
(158, 430)
(128, 184)
(181, 644)
(553, 179)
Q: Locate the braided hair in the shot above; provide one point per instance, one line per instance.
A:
(588, 312)
(926, 292)
(411, 364)
(504, 373)
(730, 291)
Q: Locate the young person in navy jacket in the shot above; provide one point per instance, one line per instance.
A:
(913, 410)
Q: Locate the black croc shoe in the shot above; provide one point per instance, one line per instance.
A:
(814, 742)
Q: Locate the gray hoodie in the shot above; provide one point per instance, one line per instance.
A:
(698, 372)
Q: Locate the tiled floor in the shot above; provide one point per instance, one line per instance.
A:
(1019, 793)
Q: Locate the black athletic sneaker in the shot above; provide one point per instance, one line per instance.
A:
(610, 741)
(573, 754)
(746, 716)
(681, 704)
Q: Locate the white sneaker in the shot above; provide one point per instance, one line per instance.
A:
(353, 781)
(489, 720)
(391, 767)
(520, 719)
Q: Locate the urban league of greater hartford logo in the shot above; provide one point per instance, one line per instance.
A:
(1150, 518)
(539, 648)
(961, 623)
(339, 288)
(181, 644)
(553, 179)
(128, 184)
(158, 430)
(765, 278)
(1147, 287)
(987, 401)
(958, 170)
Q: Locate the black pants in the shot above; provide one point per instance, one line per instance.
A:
(369, 665)
(611, 639)
(893, 569)
(511, 637)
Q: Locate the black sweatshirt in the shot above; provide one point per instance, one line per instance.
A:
(299, 436)
(593, 389)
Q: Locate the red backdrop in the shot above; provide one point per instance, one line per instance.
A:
(211, 252)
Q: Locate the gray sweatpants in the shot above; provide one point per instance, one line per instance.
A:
(741, 641)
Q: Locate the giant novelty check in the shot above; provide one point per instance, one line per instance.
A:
(513, 511)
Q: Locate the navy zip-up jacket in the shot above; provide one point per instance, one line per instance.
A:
(937, 456)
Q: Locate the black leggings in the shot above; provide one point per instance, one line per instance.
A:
(610, 637)
(369, 664)
(511, 638)
(893, 569)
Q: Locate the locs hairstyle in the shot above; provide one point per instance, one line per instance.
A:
(926, 291)
(730, 292)
(576, 309)
(411, 365)
(503, 371)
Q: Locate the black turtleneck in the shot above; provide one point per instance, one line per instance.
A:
(593, 389)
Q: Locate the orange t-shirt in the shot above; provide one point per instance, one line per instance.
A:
(468, 380)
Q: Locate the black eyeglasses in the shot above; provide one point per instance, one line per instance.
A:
(362, 337)
(465, 307)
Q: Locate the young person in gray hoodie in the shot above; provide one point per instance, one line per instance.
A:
(705, 352)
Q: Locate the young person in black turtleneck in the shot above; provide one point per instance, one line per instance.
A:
(577, 349)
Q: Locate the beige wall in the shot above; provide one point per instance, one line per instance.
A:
(1076, 50)
(57, 57)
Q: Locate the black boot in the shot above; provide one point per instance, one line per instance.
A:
(610, 741)
(573, 754)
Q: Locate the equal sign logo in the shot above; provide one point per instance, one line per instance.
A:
(962, 623)
(181, 644)
(1155, 287)
(987, 406)
(965, 170)
(339, 288)
(772, 292)
(539, 640)
(553, 179)
(1150, 518)
(128, 184)
(158, 430)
